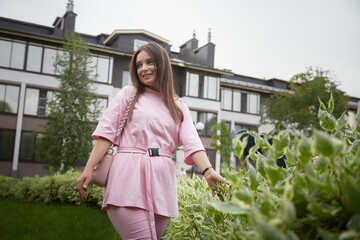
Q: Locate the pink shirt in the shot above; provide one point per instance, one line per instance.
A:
(135, 178)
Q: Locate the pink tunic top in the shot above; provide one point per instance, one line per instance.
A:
(135, 178)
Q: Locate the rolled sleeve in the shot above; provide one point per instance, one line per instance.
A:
(188, 136)
(110, 120)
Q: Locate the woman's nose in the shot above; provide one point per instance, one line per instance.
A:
(144, 67)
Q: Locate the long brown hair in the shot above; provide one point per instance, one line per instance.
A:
(164, 76)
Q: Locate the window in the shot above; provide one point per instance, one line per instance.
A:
(33, 62)
(226, 99)
(36, 102)
(253, 103)
(12, 54)
(9, 98)
(5, 53)
(240, 101)
(237, 101)
(103, 102)
(102, 105)
(239, 127)
(125, 79)
(208, 119)
(49, 61)
(202, 86)
(27, 145)
(212, 86)
(138, 43)
(193, 84)
(17, 55)
(7, 139)
(101, 68)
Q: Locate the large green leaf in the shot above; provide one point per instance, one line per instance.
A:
(273, 173)
(323, 143)
(253, 176)
(304, 150)
(350, 194)
(321, 163)
(239, 146)
(281, 141)
(341, 122)
(267, 231)
(233, 208)
(244, 196)
(327, 121)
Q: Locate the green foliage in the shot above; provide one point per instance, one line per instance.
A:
(221, 142)
(198, 218)
(296, 110)
(316, 197)
(66, 140)
(57, 188)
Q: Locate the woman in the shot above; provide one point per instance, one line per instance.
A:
(141, 196)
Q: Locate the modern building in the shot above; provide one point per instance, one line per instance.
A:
(27, 80)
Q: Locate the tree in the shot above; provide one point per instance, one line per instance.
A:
(297, 109)
(66, 141)
(224, 141)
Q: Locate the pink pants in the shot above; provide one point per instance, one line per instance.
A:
(134, 223)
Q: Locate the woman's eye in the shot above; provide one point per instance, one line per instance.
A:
(138, 66)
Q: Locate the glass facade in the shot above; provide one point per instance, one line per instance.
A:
(49, 60)
(27, 146)
(239, 127)
(17, 55)
(240, 101)
(41, 59)
(125, 79)
(5, 53)
(101, 68)
(34, 58)
(36, 101)
(9, 98)
(207, 118)
(202, 86)
(7, 139)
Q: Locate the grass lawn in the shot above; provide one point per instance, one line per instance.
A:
(29, 220)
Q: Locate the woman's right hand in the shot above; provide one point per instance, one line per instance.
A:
(83, 181)
(100, 147)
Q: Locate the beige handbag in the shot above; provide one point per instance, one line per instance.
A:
(101, 170)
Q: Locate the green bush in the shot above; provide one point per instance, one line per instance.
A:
(316, 197)
(57, 188)
(8, 186)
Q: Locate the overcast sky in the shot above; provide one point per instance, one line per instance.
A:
(258, 38)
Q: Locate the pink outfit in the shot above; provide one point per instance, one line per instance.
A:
(133, 223)
(135, 178)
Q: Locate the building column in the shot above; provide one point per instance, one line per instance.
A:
(15, 165)
(232, 156)
(218, 155)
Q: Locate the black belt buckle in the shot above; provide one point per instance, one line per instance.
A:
(153, 152)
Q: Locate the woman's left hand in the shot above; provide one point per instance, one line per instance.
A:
(212, 177)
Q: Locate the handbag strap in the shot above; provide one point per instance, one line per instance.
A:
(126, 114)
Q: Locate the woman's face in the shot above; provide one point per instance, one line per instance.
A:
(146, 70)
